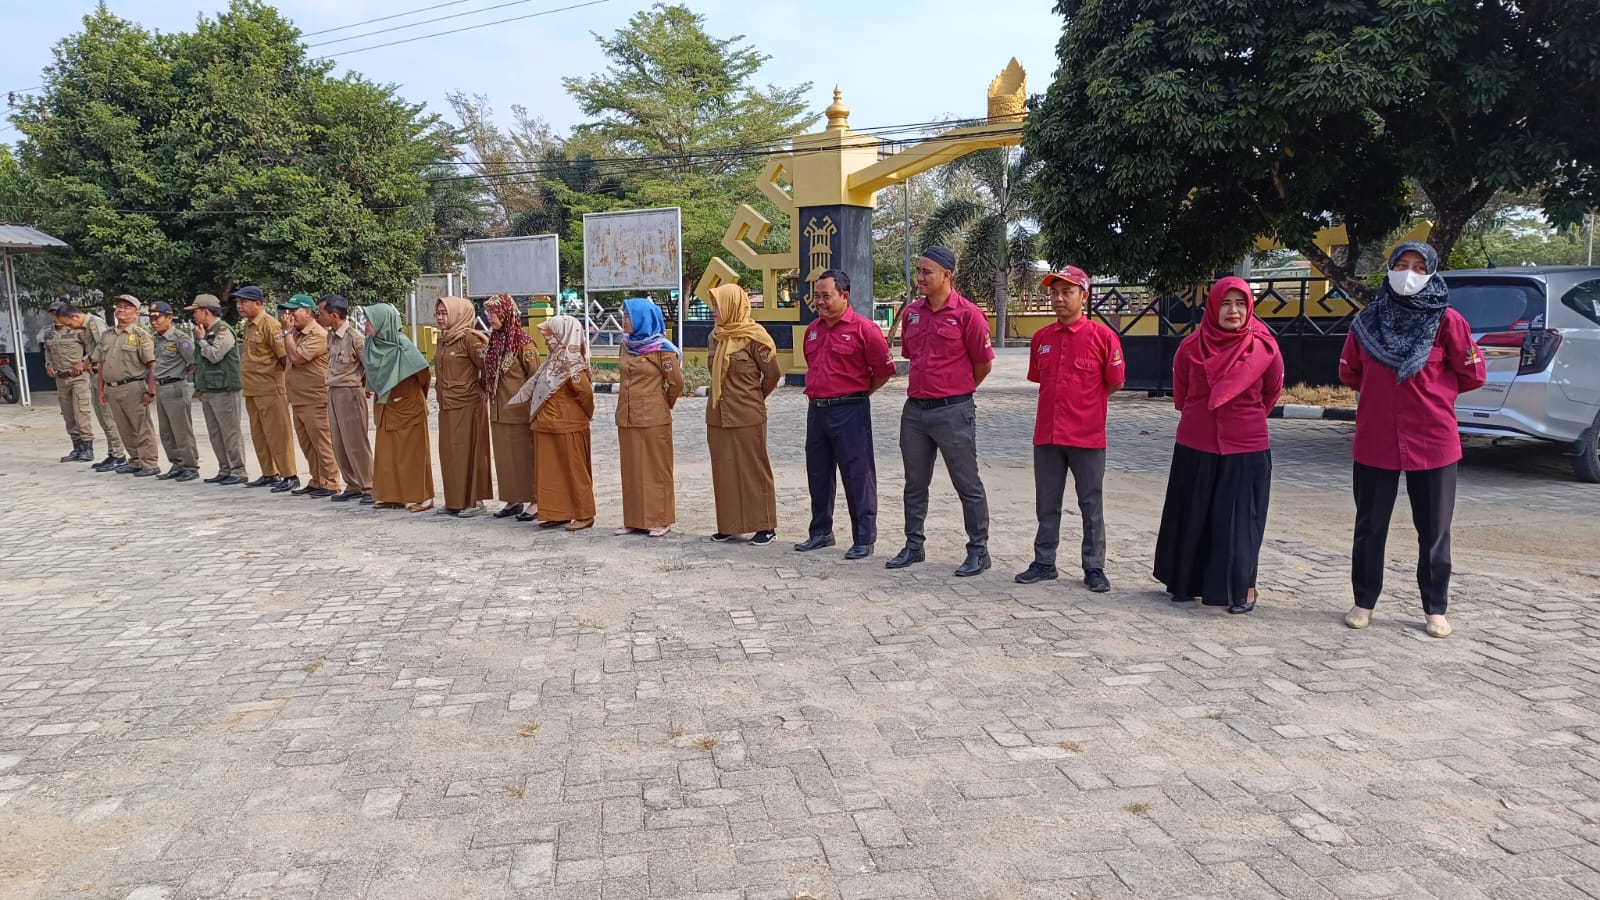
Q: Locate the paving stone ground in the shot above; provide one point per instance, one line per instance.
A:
(208, 692)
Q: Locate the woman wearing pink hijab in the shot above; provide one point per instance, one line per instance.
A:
(1226, 378)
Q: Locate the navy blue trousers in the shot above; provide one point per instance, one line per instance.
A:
(839, 438)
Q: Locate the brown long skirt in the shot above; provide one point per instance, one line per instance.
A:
(648, 497)
(565, 483)
(741, 479)
(513, 461)
(464, 455)
(402, 465)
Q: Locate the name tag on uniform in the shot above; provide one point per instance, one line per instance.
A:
(172, 348)
(812, 336)
(846, 337)
(1043, 349)
(916, 318)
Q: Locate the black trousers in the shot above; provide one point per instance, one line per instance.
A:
(1433, 504)
(1051, 463)
(839, 438)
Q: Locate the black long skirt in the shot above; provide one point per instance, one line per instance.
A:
(1213, 523)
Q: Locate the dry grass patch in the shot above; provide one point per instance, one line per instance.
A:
(1306, 395)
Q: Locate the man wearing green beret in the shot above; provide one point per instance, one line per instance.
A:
(307, 382)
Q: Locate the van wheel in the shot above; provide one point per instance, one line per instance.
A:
(1587, 462)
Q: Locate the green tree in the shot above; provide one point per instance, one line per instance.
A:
(1178, 131)
(190, 161)
(453, 209)
(990, 224)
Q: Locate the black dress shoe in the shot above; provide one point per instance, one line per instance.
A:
(977, 562)
(217, 478)
(319, 493)
(1240, 609)
(146, 473)
(171, 473)
(285, 485)
(366, 499)
(186, 475)
(1036, 573)
(231, 480)
(527, 517)
(906, 557)
(126, 469)
(507, 511)
(302, 491)
(1097, 581)
(264, 481)
(859, 551)
(816, 542)
(343, 496)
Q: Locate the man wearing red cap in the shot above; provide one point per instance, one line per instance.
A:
(1077, 364)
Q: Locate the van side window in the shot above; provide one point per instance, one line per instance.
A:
(1584, 299)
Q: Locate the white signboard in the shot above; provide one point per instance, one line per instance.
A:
(639, 249)
(520, 266)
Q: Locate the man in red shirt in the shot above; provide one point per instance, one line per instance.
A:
(846, 360)
(1077, 364)
(946, 338)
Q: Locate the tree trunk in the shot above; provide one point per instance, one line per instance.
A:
(1002, 299)
(1454, 206)
(1342, 277)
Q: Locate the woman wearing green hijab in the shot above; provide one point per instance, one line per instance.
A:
(398, 376)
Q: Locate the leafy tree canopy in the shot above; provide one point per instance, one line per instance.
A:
(1178, 131)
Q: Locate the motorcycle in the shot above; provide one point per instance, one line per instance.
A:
(10, 390)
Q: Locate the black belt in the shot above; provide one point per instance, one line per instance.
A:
(834, 401)
(169, 380)
(125, 381)
(936, 402)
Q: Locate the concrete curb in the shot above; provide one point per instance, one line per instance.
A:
(1325, 413)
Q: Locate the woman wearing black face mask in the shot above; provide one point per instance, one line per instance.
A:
(1409, 355)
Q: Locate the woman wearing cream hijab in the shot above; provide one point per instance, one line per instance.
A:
(744, 371)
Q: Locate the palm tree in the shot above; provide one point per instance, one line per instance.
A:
(989, 214)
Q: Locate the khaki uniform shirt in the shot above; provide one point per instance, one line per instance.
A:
(346, 365)
(261, 370)
(752, 374)
(651, 385)
(308, 381)
(174, 354)
(460, 368)
(124, 355)
(63, 349)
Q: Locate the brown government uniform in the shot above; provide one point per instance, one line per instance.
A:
(93, 330)
(125, 358)
(562, 452)
(347, 407)
(65, 352)
(174, 401)
(511, 430)
(307, 385)
(265, 399)
(736, 436)
(463, 422)
(402, 462)
(651, 384)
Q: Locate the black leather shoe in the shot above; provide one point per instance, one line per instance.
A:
(85, 452)
(146, 473)
(75, 455)
(1097, 581)
(126, 469)
(366, 500)
(906, 557)
(319, 493)
(343, 496)
(302, 491)
(230, 481)
(816, 542)
(171, 473)
(859, 551)
(527, 517)
(186, 475)
(1036, 573)
(1240, 609)
(977, 563)
(264, 481)
(286, 484)
(217, 478)
(509, 510)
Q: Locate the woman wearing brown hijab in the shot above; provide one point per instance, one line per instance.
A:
(652, 380)
(463, 409)
(744, 371)
(560, 398)
(508, 362)
(397, 375)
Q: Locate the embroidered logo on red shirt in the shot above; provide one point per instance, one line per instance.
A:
(1116, 357)
(1043, 349)
(1473, 357)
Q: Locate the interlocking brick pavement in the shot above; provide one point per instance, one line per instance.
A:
(208, 692)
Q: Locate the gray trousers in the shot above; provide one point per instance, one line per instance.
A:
(108, 423)
(222, 410)
(175, 416)
(950, 431)
(1051, 463)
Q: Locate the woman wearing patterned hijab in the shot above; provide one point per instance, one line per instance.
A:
(398, 376)
(508, 362)
(1226, 378)
(744, 371)
(1409, 355)
(463, 408)
(560, 399)
(652, 380)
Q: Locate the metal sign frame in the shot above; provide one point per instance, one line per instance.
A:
(676, 286)
(537, 241)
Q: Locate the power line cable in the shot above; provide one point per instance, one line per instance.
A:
(423, 37)
(459, 15)
(399, 15)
